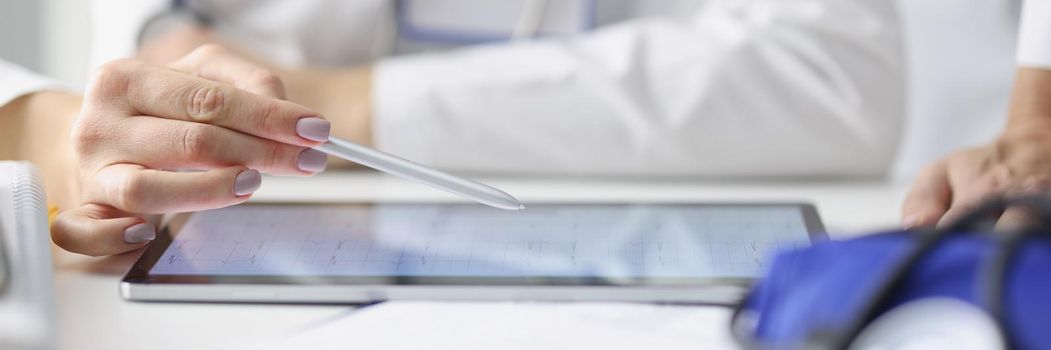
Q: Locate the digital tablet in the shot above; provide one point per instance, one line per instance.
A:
(360, 253)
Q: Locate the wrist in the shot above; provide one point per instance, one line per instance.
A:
(1022, 142)
(35, 116)
(1028, 127)
(355, 86)
(344, 97)
(1030, 112)
(40, 125)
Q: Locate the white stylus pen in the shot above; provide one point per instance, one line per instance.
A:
(394, 165)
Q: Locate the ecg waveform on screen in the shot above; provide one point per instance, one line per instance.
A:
(421, 241)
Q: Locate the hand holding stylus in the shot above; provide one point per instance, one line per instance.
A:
(210, 111)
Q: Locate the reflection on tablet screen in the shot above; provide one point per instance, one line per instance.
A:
(413, 240)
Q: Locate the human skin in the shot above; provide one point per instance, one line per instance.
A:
(1017, 162)
(108, 157)
(36, 127)
(343, 95)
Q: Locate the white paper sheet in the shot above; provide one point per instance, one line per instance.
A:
(509, 326)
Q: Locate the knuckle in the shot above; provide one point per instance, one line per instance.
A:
(1038, 183)
(270, 118)
(93, 140)
(930, 170)
(87, 134)
(209, 50)
(206, 103)
(130, 194)
(113, 78)
(992, 181)
(194, 142)
(272, 156)
(266, 78)
(919, 201)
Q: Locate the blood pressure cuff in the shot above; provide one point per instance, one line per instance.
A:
(819, 290)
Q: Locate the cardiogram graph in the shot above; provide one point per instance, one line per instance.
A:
(420, 240)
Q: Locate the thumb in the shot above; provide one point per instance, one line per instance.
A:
(96, 230)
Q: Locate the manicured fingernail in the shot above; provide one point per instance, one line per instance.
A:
(312, 160)
(313, 128)
(247, 182)
(139, 233)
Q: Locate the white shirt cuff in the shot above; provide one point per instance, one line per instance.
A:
(16, 81)
(1034, 35)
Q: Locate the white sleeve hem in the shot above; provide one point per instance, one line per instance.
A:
(16, 81)
(1034, 35)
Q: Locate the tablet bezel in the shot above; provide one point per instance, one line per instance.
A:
(139, 272)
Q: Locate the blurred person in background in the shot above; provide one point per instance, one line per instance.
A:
(579, 87)
(711, 88)
(715, 88)
(669, 88)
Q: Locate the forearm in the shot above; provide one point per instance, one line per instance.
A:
(36, 128)
(1030, 103)
(1030, 111)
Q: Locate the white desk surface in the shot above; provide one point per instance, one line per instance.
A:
(93, 316)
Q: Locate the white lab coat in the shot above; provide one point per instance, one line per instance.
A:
(16, 81)
(717, 88)
(1034, 35)
(674, 87)
(713, 88)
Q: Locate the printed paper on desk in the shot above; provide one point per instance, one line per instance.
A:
(508, 326)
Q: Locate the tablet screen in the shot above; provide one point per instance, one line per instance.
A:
(607, 242)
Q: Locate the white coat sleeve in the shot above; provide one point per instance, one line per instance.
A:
(1034, 35)
(739, 88)
(16, 81)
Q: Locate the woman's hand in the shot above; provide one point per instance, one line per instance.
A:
(343, 95)
(209, 111)
(1018, 162)
(1015, 164)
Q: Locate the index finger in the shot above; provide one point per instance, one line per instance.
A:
(166, 93)
(929, 198)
